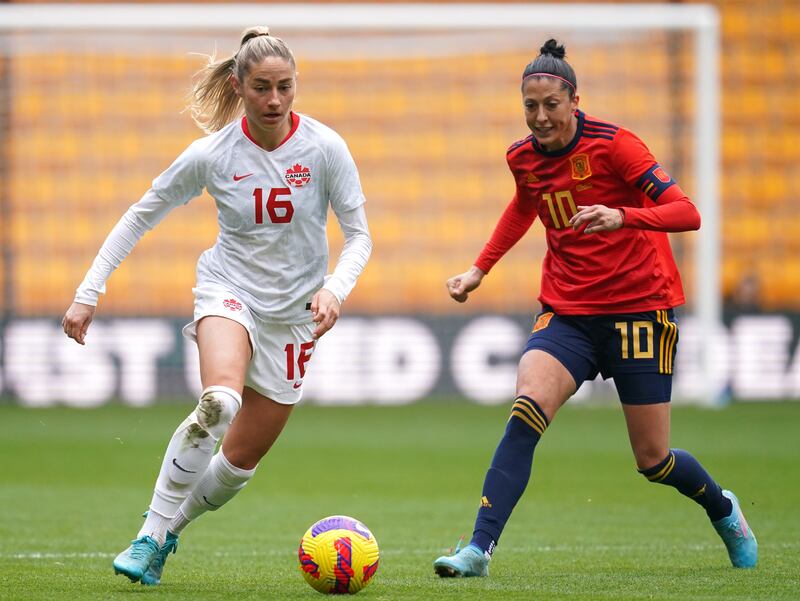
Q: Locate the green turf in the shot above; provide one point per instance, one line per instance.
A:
(74, 483)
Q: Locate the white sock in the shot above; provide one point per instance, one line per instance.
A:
(155, 526)
(191, 447)
(178, 523)
(185, 461)
(218, 485)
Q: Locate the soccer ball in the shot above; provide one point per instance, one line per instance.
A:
(338, 555)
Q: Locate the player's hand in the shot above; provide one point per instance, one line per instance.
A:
(598, 218)
(459, 286)
(76, 321)
(325, 311)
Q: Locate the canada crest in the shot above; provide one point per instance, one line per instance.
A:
(298, 176)
(580, 166)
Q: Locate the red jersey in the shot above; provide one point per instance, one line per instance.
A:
(628, 270)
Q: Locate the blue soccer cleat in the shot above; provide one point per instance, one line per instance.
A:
(153, 574)
(134, 561)
(469, 561)
(737, 536)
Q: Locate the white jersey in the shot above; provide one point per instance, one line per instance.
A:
(272, 247)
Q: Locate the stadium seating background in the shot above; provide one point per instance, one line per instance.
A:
(436, 182)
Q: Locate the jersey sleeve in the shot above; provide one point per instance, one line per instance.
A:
(342, 180)
(181, 182)
(677, 216)
(185, 178)
(672, 210)
(636, 165)
(355, 253)
(514, 222)
(137, 220)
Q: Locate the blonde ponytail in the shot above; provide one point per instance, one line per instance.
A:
(213, 103)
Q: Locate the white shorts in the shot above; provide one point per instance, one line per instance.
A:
(280, 351)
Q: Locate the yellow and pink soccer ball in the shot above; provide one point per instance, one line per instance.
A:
(338, 555)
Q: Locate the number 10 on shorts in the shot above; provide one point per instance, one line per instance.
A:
(302, 358)
(636, 328)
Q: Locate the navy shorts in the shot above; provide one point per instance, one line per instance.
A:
(636, 349)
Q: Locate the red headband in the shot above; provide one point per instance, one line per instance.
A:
(569, 83)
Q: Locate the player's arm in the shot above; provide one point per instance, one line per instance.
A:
(670, 215)
(671, 209)
(346, 197)
(326, 304)
(137, 220)
(182, 181)
(514, 222)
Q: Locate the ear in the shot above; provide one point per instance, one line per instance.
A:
(237, 87)
(575, 100)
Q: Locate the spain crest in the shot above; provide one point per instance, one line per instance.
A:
(661, 175)
(298, 176)
(580, 166)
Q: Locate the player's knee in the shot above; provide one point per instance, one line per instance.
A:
(216, 409)
(649, 458)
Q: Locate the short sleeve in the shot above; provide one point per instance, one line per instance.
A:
(185, 178)
(636, 165)
(343, 181)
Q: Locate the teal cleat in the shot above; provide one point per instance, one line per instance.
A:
(134, 561)
(469, 561)
(737, 536)
(153, 574)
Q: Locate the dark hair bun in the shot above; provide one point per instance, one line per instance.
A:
(553, 48)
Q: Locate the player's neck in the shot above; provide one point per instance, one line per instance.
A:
(270, 139)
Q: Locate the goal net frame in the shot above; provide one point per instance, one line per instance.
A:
(702, 21)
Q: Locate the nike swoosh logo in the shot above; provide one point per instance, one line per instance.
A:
(297, 385)
(236, 178)
(175, 463)
(209, 502)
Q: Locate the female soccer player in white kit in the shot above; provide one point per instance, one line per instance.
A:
(262, 298)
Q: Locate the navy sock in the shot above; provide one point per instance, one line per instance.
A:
(509, 473)
(682, 471)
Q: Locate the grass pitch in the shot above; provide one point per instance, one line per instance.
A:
(74, 483)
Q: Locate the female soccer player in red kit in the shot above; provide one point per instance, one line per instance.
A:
(609, 286)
